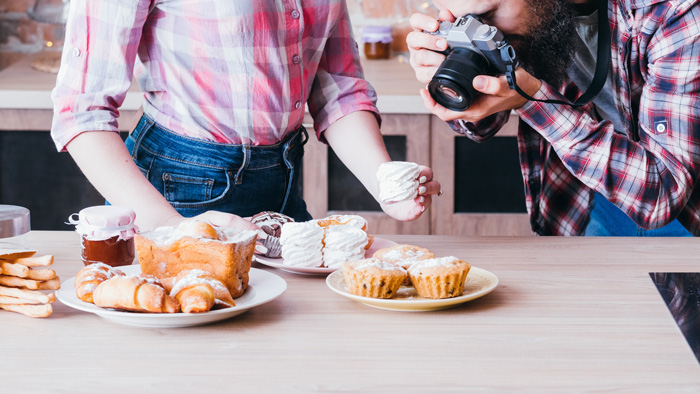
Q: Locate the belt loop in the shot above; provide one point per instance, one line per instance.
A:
(305, 135)
(140, 132)
(244, 165)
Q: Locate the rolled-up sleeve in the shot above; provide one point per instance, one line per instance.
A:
(102, 40)
(339, 87)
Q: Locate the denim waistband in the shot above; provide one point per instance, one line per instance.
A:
(157, 139)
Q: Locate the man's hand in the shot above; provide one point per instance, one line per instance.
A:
(425, 60)
(497, 96)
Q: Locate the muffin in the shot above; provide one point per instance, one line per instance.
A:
(441, 277)
(373, 278)
(271, 223)
(404, 256)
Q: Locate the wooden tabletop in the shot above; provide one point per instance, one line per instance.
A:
(569, 315)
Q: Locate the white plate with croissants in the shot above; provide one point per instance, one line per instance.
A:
(263, 287)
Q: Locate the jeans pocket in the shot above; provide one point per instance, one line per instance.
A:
(187, 189)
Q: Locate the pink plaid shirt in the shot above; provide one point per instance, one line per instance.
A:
(649, 170)
(227, 71)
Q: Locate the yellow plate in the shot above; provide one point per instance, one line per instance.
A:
(479, 283)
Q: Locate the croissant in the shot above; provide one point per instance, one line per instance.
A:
(89, 277)
(198, 291)
(135, 293)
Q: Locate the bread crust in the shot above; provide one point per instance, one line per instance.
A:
(227, 262)
(136, 294)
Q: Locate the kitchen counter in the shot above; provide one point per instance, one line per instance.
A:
(569, 315)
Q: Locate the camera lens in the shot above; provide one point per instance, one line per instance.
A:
(451, 85)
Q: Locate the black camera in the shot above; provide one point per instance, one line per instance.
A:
(474, 48)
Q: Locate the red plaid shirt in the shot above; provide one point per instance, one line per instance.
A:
(650, 170)
(230, 71)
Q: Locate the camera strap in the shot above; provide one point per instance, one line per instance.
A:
(601, 69)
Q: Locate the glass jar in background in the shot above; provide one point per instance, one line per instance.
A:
(377, 42)
(107, 233)
(14, 225)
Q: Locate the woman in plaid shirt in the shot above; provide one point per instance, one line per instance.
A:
(624, 164)
(225, 88)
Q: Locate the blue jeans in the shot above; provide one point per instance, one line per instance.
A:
(608, 220)
(196, 176)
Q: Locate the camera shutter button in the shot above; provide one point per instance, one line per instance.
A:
(484, 30)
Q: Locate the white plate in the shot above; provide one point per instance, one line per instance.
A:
(262, 287)
(379, 243)
(479, 283)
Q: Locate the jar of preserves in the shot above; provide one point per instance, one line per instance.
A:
(107, 233)
(14, 224)
(377, 42)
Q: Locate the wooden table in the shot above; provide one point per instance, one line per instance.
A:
(569, 315)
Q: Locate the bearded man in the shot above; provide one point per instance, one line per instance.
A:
(626, 163)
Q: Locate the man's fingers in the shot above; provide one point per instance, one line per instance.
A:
(491, 85)
(423, 22)
(446, 15)
(417, 40)
(438, 110)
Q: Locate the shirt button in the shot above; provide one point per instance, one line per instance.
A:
(295, 14)
(295, 59)
(297, 105)
(660, 127)
(76, 52)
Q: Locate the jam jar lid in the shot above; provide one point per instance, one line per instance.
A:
(14, 221)
(374, 34)
(105, 221)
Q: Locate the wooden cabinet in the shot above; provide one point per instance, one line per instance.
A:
(429, 141)
(415, 135)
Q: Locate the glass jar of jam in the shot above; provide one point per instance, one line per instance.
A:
(107, 233)
(14, 225)
(377, 42)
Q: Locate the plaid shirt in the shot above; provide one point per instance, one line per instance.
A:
(228, 71)
(650, 170)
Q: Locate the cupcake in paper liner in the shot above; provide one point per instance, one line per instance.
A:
(373, 278)
(441, 277)
(271, 223)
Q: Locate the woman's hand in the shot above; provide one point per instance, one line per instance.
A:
(218, 219)
(412, 209)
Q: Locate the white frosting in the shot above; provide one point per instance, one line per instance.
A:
(166, 235)
(351, 220)
(300, 233)
(398, 181)
(301, 244)
(302, 257)
(436, 262)
(336, 258)
(343, 243)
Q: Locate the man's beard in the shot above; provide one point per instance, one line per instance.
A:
(547, 50)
